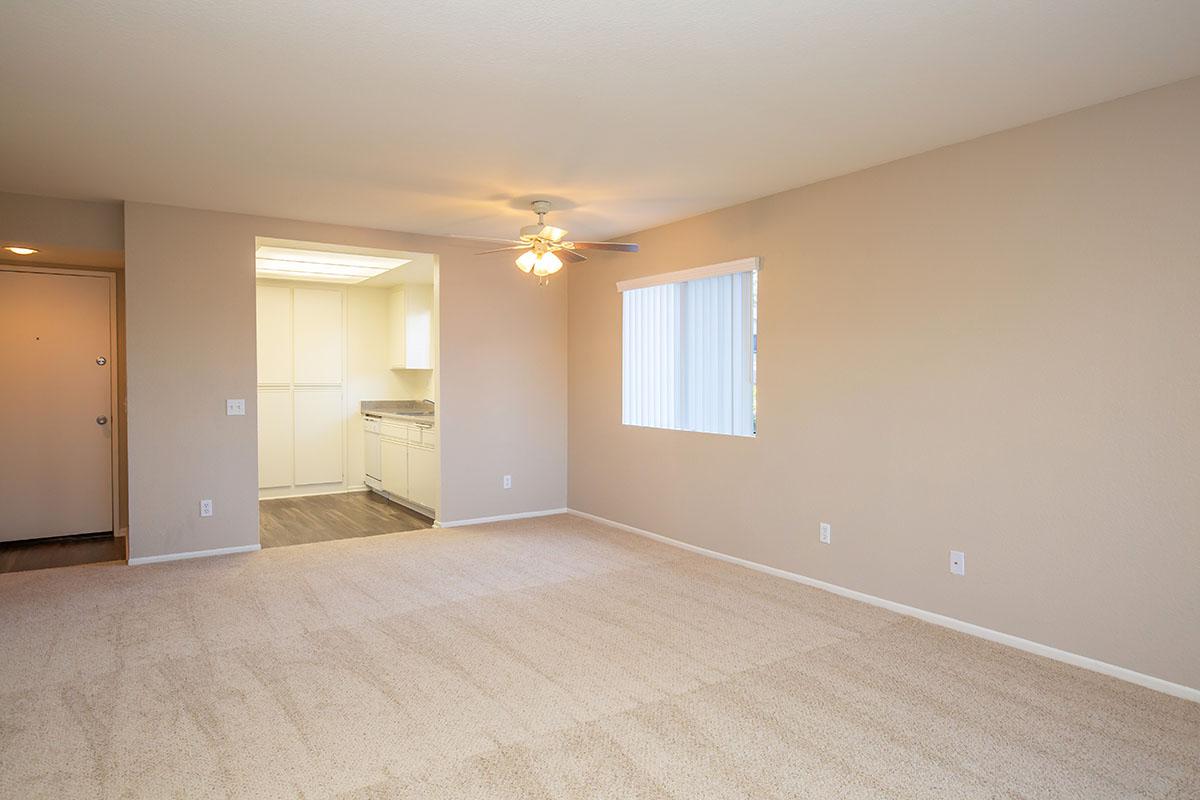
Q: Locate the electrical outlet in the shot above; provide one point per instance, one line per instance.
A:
(958, 562)
(206, 508)
(826, 530)
(235, 408)
(508, 481)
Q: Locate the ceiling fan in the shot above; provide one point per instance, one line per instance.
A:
(547, 247)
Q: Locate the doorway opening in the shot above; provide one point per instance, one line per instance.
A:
(62, 419)
(347, 342)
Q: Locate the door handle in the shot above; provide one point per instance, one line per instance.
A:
(101, 420)
(101, 360)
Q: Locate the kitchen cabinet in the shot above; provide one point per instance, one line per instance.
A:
(317, 335)
(410, 319)
(274, 437)
(410, 472)
(423, 476)
(393, 459)
(274, 313)
(302, 412)
(319, 426)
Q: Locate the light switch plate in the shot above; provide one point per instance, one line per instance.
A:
(958, 562)
(235, 408)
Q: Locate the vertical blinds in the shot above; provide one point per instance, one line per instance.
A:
(687, 355)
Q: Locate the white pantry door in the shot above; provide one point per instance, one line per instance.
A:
(55, 432)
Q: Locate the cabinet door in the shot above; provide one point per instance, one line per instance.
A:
(317, 327)
(320, 422)
(394, 460)
(396, 354)
(274, 313)
(274, 438)
(423, 476)
(418, 326)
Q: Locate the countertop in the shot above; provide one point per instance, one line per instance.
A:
(417, 411)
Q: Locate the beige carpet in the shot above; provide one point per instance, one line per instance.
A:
(538, 659)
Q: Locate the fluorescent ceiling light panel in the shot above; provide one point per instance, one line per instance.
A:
(320, 265)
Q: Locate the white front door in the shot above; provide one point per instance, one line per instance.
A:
(55, 432)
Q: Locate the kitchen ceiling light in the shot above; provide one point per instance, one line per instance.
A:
(21, 251)
(318, 265)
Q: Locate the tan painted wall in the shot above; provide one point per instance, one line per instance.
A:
(993, 347)
(191, 329)
(67, 232)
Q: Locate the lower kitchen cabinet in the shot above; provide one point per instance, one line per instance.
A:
(423, 476)
(393, 459)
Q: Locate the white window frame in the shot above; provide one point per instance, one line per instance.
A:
(674, 405)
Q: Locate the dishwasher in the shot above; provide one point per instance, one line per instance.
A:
(374, 474)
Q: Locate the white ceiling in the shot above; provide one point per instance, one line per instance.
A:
(448, 117)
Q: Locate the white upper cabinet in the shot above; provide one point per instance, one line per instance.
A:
(274, 306)
(318, 330)
(410, 318)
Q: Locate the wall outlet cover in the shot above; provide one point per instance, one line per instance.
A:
(508, 481)
(958, 562)
(826, 531)
(235, 408)
(206, 508)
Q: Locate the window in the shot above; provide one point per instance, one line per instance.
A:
(689, 342)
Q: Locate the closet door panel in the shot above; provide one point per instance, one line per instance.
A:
(318, 342)
(274, 437)
(319, 428)
(274, 310)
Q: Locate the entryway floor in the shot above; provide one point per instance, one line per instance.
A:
(62, 551)
(321, 518)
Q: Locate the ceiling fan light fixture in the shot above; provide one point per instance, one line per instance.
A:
(547, 264)
(545, 247)
(526, 261)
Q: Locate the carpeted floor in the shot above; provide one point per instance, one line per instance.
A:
(543, 658)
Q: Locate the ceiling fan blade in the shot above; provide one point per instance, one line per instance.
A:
(504, 249)
(570, 255)
(466, 238)
(622, 247)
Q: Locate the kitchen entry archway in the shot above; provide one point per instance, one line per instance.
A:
(345, 334)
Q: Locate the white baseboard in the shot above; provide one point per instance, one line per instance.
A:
(1104, 668)
(220, 551)
(458, 523)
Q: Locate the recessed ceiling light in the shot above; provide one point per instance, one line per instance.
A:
(21, 251)
(318, 265)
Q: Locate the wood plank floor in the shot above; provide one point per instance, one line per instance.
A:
(320, 518)
(62, 551)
